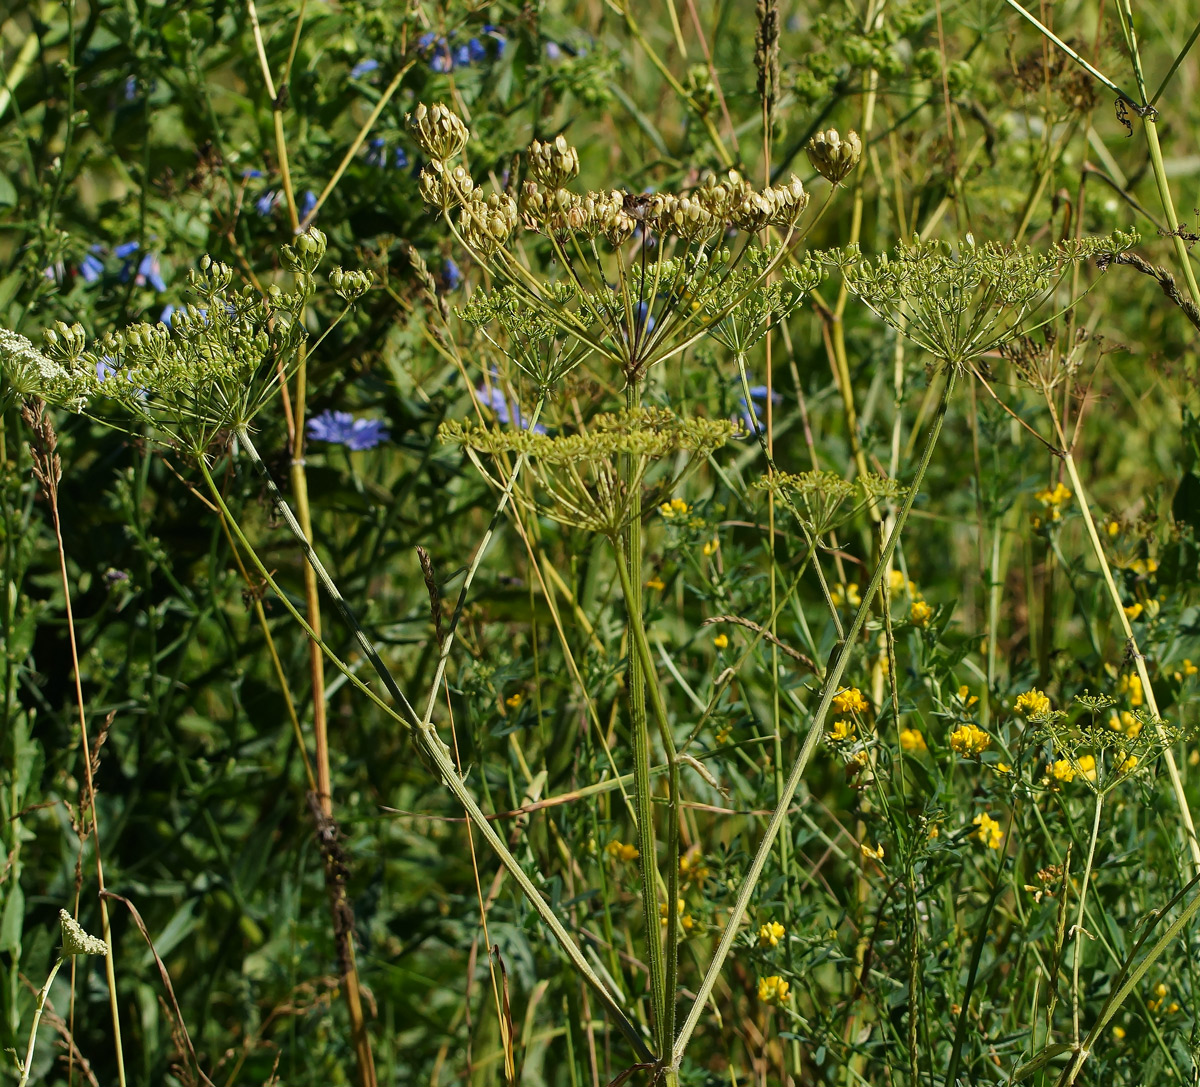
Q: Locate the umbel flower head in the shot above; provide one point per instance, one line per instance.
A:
(961, 303)
(77, 942)
(832, 156)
(218, 362)
(580, 473)
(27, 372)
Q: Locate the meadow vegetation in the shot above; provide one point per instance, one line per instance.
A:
(595, 543)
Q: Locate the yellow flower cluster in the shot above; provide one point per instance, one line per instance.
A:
(969, 740)
(1130, 684)
(711, 547)
(1125, 722)
(921, 612)
(1052, 500)
(989, 832)
(770, 934)
(686, 921)
(872, 853)
(1160, 995)
(1132, 611)
(912, 740)
(1185, 670)
(1062, 770)
(897, 584)
(845, 595)
(1033, 703)
(1145, 567)
(721, 641)
(773, 989)
(692, 869)
(842, 730)
(656, 583)
(514, 700)
(675, 509)
(850, 700)
(965, 696)
(622, 851)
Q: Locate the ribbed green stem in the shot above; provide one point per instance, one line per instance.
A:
(37, 1018)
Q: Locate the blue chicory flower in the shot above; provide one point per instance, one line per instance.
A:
(91, 267)
(149, 271)
(265, 204)
(495, 399)
(759, 393)
(341, 428)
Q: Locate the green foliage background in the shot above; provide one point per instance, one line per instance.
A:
(148, 122)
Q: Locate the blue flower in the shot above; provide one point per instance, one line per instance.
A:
(91, 267)
(400, 158)
(341, 428)
(442, 61)
(462, 56)
(126, 249)
(364, 67)
(377, 155)
(476, 50)
(168, 312)
(496, 400)
(553, 51)
(249, 174)
(105, 368)
(130, 88)
(265, 204)
(149, 272)
(759, 393)
(307, 202)
(451, 275)
(643, 316)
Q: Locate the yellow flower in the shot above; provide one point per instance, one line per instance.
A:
(1186, 669)
(1032, 703)
(1160, 991)
(685, 919)
(657, 584)
(773, 989)
(845, 595)
(912, 740)
(723, 734)
(621, 851)
(1087, 766)
(770, 934)
(1131, 684)
(710, 548)
(1127, 764)
(692, 868)
(897, 584)
(1053, 499)
(1132, 611)
(1003, 768)
(1062, 770)
(921, 612)
(721, 641)
(677, 507)
(1126, 723)
(850, 700)
(964, 693)
(969, 740)
(933, 832)
(514, 700)
(1113, 528)
(842, 730)
(1119, 1032)
(989, 832)
(870, 853)
(1144, 566)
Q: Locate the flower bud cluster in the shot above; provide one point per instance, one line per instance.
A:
(553, 164)
(350, 285)
(832, 156)
(444, 188)
(486, 224)
(438, 131)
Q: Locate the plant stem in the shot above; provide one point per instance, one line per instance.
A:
(1083, 890)
(1130, 641)
(828, 690)
(42, 997)
(426, 738)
